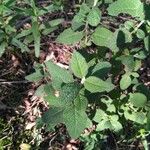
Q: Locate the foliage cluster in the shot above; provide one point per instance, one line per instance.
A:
(102, 86)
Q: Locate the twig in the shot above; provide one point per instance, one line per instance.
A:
(14, 82)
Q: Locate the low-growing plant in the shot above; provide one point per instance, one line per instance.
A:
(14, 14)
(102, 86)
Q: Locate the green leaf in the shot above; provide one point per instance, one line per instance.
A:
(75, 118)
(147, 43)
(84, 9)
(56, 22)
(35, 77)
(78, 65)
(20, 45)
(69, 108)
(138, 99)
(94, 16)
(2, 48)
(49, 30)
(134, 8)
(125, 81)
(101, 69)
(94, 84)
(23, 33)
(53, 116)
(140, 34)
(138, 117)
(104, 37)
(37, 37)
(69, 92)
(69, 37)
(128, 62)
(109, 122)
(101, 36)
(58, 74)
(100, 114)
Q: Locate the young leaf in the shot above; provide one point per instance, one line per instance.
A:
(138, 99)
(94, 84)
(94, 17)
(78, 65)
(69, 37)
(125, 81)
(134, 8)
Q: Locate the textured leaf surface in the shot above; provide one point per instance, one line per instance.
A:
(94, 84)
(104, 37)
(68, 36)
(53, 116)
(94, 17)
(69, 92)
(134, 8)
(101, 36)
(75, 117)
(78, 65)
(138, 99)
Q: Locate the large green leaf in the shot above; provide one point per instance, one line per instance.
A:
(94, 84)
(68, 36)
(78, 65)
(75, 117)
(75, 121)
(104, 37)
(94, 16)
(138, 99)
(134, 8)
(69, 108)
